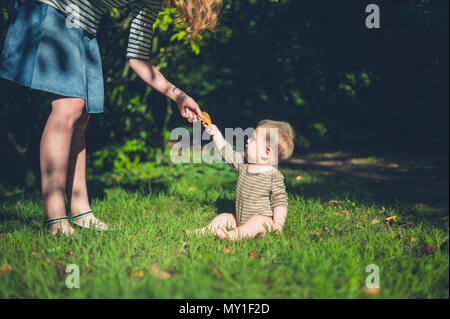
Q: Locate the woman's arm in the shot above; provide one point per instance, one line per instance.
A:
(189, 109)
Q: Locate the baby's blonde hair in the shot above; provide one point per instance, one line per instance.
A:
(285, 137)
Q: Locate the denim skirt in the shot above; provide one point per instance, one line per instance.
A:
(43, 53)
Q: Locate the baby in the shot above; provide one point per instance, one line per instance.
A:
(261, 199)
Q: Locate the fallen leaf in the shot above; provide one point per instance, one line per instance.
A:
(157, 272)
(375, 221)
(4, 269)
(372, 291)
(334, 202)
(137, 273)
(214, 269)
(391, 218)
(227, 250)
(326, 228)
(72, 253)
(253, 254)
(319, 233)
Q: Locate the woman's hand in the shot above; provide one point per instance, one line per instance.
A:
(189, 109)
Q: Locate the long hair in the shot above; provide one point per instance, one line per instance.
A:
(197, 15)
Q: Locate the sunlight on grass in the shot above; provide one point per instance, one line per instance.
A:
(334, 229)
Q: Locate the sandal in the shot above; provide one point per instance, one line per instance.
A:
(55, 220)
(89, 212)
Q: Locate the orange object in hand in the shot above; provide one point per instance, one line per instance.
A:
(206, 118)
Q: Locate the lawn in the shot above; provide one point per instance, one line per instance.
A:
(337, 225)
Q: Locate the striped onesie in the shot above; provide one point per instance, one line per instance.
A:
(91, 11)
(256, 193)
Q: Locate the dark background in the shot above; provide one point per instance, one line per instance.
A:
(380, 92)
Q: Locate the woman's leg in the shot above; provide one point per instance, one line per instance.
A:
(253, 226)
(76, 188)
(54, 157)
(226, 220)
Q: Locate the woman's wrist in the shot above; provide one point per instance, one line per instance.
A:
(176, 94)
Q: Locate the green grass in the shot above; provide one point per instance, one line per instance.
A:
(322, 253)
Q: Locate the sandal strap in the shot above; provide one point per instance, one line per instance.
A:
(82, 214)
(55, 220)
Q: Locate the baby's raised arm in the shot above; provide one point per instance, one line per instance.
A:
(225, 149)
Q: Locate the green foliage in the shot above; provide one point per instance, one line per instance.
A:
(291, 60)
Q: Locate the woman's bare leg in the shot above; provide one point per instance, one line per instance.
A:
(54, 157)
(253, 226)
(226, 220)
(76, 188)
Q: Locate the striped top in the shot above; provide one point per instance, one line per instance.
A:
(144, 13)
(256, 193)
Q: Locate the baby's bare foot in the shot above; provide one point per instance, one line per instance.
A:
(221, 232)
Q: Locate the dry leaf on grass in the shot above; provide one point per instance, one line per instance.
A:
(72, 253)
(391, 218)
(137, 273)
(253, 254)
(157, 272)
(4, 269)
(227, 250)
(375, 221)
(319, 233)
(334, 202)
(372, 291)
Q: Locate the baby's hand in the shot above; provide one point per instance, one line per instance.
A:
(211, 129)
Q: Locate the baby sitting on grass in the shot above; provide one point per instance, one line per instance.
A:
(261, 199)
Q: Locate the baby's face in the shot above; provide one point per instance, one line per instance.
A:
(255, 151)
